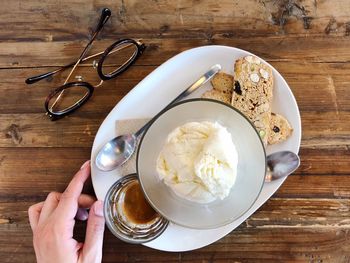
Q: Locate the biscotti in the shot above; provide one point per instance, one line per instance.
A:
(223, 82)
(252, 93)
(280, 129)
(222, 88)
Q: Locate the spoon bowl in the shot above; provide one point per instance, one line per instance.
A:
(281, 164)
(116, 152)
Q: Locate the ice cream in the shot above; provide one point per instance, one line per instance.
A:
(199, 161)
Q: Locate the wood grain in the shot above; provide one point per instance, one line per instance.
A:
(26, 130)
(294, 48)
(307, 41)
(34, 21)
(44, 167)
(243, 245)
(318, 87)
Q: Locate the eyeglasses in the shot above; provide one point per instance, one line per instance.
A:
(116, 59)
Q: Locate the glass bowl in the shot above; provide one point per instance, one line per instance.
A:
(250, 171)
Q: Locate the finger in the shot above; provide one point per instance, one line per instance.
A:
(68, 204)
(34, 214)
(86, 201)
(50, 205)
(53, 199)
(92, 249)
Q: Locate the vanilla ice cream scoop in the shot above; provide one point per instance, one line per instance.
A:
(199, 161)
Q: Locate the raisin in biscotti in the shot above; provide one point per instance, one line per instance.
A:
(252, 93)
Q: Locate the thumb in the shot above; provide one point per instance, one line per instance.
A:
(92, 249)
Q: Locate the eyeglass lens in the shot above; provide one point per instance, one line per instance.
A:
(121, 55)
(71, 96)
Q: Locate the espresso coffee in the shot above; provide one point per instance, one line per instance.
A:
(135, 206)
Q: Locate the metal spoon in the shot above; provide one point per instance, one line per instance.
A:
(281, 164)
(118, 150)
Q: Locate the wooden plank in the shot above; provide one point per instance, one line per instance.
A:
(316, 86)
(322, 174)
(36, 130)
(302, 213)
(267, 246)
(242, 245)
(297, 49)
(315, 186)
(41, 171)
(313, 213)
(36, 21)
(325, 128)
(79, 129)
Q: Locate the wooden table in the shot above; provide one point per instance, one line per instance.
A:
(307, 220)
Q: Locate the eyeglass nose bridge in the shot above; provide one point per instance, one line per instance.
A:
(95, 64)
(79, 78)
(142, 47)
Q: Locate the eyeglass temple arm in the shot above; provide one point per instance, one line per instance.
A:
(105, 15)
(35, 79)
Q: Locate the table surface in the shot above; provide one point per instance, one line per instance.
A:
(306, 220)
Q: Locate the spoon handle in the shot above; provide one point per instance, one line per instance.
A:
(202, 80)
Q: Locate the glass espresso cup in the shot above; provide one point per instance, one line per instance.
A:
(128, 214)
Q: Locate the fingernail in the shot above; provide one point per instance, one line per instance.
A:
(82, 214)
(85, 164)
(98, 208)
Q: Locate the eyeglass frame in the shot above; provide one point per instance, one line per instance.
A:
(140, 47)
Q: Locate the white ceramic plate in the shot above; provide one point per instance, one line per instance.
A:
(153, 93)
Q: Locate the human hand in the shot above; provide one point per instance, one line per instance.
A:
(52, 222)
